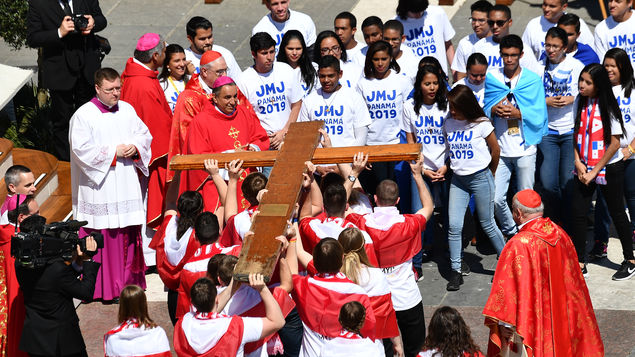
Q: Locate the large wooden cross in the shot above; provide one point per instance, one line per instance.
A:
(260, 252)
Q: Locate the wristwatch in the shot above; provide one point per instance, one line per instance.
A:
(352, 178)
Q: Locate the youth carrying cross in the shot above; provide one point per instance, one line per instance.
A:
(260, 252)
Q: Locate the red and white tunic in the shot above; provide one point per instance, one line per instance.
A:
(212, 334)
(373, 281)
(196, 267)
(319, 299)
(131, 340)
(397, 238)
(236, 228)
(349, 344)
(172, 254)
(314, 229)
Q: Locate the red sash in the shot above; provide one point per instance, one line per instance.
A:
(591, 139)
(170, 274)
(227, 345)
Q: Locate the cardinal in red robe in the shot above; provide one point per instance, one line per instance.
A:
(198, 92)
(539, 291)
(222, 126)
(141, 89)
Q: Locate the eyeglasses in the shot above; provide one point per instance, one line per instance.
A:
(499, 23)
(480, 21)
(326, 50)
(110, 90)
(221, 72)
(552, 47)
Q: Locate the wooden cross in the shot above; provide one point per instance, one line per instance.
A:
(260, 252)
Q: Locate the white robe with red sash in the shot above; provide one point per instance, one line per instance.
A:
(236, 228)
(131, 340)
(349, 344)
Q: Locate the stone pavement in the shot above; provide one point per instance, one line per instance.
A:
(233, 19)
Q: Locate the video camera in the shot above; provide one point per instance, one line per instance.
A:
(35, 248)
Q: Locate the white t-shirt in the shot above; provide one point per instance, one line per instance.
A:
(562, 79)
(404, 291)
(427, 127)
(426, 36)
(479, 90)
(616, 129)
(360, 57)
(491, 51)
(271, 94)
(342, 111)
(463, 50)
(408, 64)
(233, 69)
(351, 74)
(171, 90)
(536, 31)
(305, 87)
(354, 51)
(384, 99)
(627, 106)
(297, 21)
(610, 34)
(511, 141)
(469, 152)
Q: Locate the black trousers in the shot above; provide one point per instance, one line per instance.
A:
(291, 334)
(81, 354)
(613, 192)
(412, 326)
(63, 104)
(173, 297)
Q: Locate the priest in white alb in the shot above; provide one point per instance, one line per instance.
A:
(110, 148)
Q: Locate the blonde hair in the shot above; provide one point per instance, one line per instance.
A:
(352, 241)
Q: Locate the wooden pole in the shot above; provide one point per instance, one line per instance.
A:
(603, 9)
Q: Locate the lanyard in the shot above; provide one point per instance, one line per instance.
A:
(174, 85)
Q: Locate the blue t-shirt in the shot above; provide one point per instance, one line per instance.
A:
(586, 55)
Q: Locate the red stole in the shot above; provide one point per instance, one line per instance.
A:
(320, 298)
(11, 299)
(213, 131)
(590, 138)
(228, 345)
(538, 288)
(141, 89)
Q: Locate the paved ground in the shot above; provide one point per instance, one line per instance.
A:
(233, 19)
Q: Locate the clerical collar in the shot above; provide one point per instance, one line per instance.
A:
(103, 107)
(222, 112)
(205, 87)
(533, 219)
(142, 64)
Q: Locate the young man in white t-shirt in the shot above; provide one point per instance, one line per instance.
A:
(206, 331)
(408, 62)
(428, 30)
(345, 26)
(272, 88)
(346, 118)
(281, 19)
(373, 31)
(199, 33)
(465, 48)
(536, 29)
(499, 20)
(515, 157)
(618, 30)
(397, 238)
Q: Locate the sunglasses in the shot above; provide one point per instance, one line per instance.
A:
(499, 23)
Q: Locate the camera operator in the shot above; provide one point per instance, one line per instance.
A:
(51, 326)
(65, 29)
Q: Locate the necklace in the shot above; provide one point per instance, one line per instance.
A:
(328, 105)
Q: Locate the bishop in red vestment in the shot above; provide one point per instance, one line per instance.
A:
(141, 89)
(539, 291)
(222, 126)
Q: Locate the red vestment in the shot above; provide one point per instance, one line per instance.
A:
(539, 289)
(213, 131)
(190, 102)
(141, 89)
(11, 299)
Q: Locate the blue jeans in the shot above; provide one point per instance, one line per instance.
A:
(556, 175)
(439, 193)
(481, 185)
(524, 167)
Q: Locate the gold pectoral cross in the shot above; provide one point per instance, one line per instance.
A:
(234, 134)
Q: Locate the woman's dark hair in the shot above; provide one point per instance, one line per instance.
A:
(352, 316)
(463, 99)
(134, 305)
(189, 205)
(327, 256)
(318, 44)
(449, 334)
(609, 109)
(379, 46)
(206, 228)
(441, 98)
(624, 66)
(410, 5)
(169, 51)
(557, 32)
(212, 267)
(474, 59)
(304, 63)
(432, 61)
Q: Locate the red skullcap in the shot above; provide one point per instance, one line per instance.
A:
(221, 81)
(210, 56)
(529, 198)
(148, 41)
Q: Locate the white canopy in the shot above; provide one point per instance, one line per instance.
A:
(13, 78)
